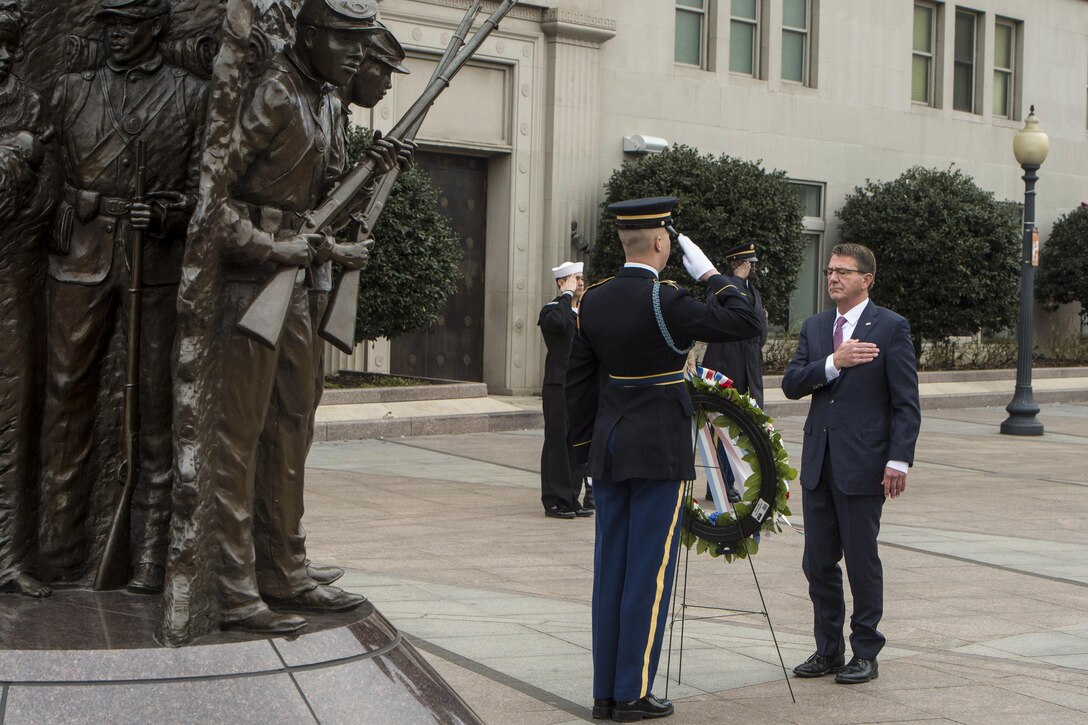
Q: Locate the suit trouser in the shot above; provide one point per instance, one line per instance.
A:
(266, 405)
(80, 321)
(838, 525)
(560, 479)
(634, 565)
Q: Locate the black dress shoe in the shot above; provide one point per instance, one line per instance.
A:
(817, 666)
(582, 512)
(647, 708)
(857, 671)
(147, 579)
(268, 622)
(558, 513)
(321, 598)
(324, 574)
(602, 709)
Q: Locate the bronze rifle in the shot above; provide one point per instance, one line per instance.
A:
(338, 325)
(112, 570)
(263, 320)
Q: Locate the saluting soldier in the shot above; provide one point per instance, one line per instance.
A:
(742, 361)
(291, 152)
(635, 332)
(100, 115)
(560, 477)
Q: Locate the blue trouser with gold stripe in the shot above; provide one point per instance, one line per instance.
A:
(634, 562)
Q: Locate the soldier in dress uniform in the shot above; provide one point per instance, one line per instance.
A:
(635, 332)
(742, 361)
(560, 477)
(292, 151)
(100, 114)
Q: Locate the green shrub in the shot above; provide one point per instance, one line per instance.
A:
(1063, 264)
(724, 201)
(947, 252)
(413, 266)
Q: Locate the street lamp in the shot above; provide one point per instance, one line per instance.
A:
(1030, 147)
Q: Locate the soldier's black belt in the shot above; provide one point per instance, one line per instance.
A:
(646, 381)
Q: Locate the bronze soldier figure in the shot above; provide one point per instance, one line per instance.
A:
(26, 196)
(384, 57)
(100, 115)
(292, 150)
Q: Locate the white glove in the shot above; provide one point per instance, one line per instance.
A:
(695, 262)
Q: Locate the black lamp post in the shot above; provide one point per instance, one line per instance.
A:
(1030, 146)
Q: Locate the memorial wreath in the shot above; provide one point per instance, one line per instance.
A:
(764, 500)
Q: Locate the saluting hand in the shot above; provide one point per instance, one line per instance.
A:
(568, 284)
(855, 352)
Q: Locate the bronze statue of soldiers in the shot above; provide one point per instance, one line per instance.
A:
(384, 57)
(26, 195)
(291, 153)
(101, 114)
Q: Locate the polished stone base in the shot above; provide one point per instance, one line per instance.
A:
(83, 656)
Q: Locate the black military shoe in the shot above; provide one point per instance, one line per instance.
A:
(602, 709)
(857, 672)
(647, 708)
(582, 512)
(559, 513)
(817, 666)
(321, 598)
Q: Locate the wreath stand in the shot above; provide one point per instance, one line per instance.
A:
(733, 536)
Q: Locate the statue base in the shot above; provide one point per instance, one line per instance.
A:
(82, 656)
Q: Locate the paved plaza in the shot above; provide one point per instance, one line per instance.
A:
(985, 559)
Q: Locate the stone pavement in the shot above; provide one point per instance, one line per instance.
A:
(985, 558)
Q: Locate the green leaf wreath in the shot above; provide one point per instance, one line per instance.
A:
(750, 497)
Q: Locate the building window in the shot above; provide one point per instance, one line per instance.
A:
(691, 32)
(744, 37)
(963, 75)
(796, 16)
(922, 60)
(1004, 62)
(806, 298)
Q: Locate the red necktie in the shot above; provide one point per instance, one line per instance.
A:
(838, 331)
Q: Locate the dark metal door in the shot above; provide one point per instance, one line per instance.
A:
(453, 347)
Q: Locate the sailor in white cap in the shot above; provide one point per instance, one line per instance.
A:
(560, 479)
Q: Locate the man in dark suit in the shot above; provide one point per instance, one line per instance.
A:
(857, 362)
(635, 332)
(560, 477)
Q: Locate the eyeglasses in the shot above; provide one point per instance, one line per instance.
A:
(840, 271)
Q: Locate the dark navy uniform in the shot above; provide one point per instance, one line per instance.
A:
(742, 361)
(559, 482)
(632, 342)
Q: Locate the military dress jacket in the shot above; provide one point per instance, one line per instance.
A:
(100, 114)
(557, 323)
(742, 361)
(292, 151)
(621, 342)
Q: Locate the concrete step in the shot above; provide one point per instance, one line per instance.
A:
(452, 407)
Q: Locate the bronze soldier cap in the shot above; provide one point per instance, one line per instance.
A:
(385, 47)
(138, 9)
(340, 14)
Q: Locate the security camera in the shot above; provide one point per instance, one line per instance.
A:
(644, 144)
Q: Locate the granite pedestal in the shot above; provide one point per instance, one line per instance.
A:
(91, 657)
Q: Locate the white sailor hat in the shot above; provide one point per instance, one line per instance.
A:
(566, 269)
